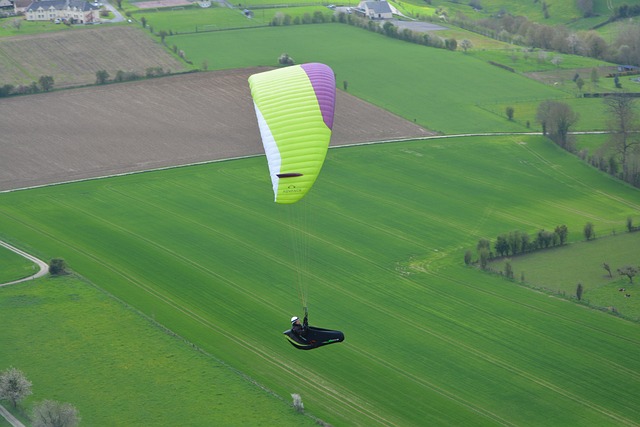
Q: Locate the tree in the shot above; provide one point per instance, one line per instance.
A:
(586, 7)
(483, 243)
(589, 233)
(484, 258)
(594, 76)
(46, 83)
(508, 270)
(163, 34)
(466, 44)
(50, 413)
(467, 258)
(57, 266)
(556, 119)
(607, 267)
(629, 271)
(579, 290)
(562, 232)
(502, 245)
(297, 402)
(623, 126)
(14, 386)
(285, 59)
(509, 111)
(451, 43)
(101, 77)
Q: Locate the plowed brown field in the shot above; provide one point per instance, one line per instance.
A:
(104, 130)
(72, 57)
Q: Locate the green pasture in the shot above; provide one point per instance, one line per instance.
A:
(414, 10)
(258, 4)
(560, 12)
(205, 252)
(14, 266)
(524, 61)
(439, 89)
(591, 116)
(561, 269)
(195, 19)
(29, 27)
(118, 367)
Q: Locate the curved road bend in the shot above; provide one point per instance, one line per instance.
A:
(44, 267)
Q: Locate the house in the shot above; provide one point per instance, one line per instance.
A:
(6, 5)
(374, 9)
(74, 11)
(20, 6)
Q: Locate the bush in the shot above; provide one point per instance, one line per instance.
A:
(57, 267)
(297, 402)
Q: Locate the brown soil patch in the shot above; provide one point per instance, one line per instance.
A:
(151, 4)
(177, 120)
(73, 56)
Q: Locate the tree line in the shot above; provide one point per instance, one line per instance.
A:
(519, 30)
(44, 84)
(516, 243)
(14, 387)
(619, 156)
(519, 242)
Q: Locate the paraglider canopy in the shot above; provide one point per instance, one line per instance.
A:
(295, 107)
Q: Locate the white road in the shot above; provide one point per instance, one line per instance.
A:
(44, 267)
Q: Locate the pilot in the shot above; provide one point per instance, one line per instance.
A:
(300, 329)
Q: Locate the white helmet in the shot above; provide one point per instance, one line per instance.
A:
(294, 318)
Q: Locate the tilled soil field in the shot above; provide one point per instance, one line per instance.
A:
(72, 57)
(148, 124)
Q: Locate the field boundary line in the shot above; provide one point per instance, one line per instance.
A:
(248, 156)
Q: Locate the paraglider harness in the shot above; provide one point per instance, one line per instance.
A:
(309, 337)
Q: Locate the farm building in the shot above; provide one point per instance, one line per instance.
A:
(74, 11)
(374, 9)
(20, 6)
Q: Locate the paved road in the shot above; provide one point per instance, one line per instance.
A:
(44, 267)
(7, 416)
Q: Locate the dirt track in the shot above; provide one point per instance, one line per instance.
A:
(105, 130)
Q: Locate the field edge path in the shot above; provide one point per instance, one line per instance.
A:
(44, 267)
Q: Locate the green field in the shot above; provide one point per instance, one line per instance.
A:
(194, 19)
(441, 90)
(204, 251)
(561, 269)
(140, 375)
